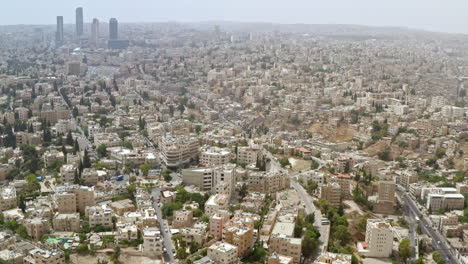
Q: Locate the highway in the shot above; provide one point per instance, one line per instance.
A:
(438, 241)
(164, 228)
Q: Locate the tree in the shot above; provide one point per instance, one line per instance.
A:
(69, 139)
(181, 253)
(404, 250)
(145, 168)
(102, 150)
(86, 160)
(82, 249)
(354, 259)
(437, 258)
(420, 260)
(342, 234)
(309, 243)
(116, 254)
(243, 191)
(167, 175)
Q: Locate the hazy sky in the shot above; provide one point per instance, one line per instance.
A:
(436, 15)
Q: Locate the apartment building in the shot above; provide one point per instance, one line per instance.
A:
(267, 182)
(379, 239)
(7, 198)
(223, 253)
(153, 243)
(178, 150)
(220, 180)
(217, 222)
(182, 218)
(201, 178)
(332, 193)
(215, 156)
(36, 227)
(239, 231)
(66, 222)
(247, 155)
(84, 196)
(450, 201)
(67, 173)
(42, 256)
(282, 241)
(99, 216)
(215, 203)
(328, 257)
(279, 259)
(344, 180)
(405, 178)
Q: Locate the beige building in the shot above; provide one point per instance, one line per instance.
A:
(279, 259)
(267, 182)
(36, 227)
(182, 218)
(379, 239)
(344, 180)
(215, 203)
(436, 201)
(70, 198)
(41, 256)
(282, 241)
(215, 156)
(66, 222)
(67, 173)
(386, 191)
(153, 244)
(217, 222)
(7, 198)
(178, 150)
(247, 155)
(331, 192)
(328, 257)
(99, 216)
(122, 206)
(239, 231)
(223, 253)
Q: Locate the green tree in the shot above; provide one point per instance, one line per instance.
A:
(309, 243)
(404, 250)
(420, 260)
(243, 191)
(102, 150)
(437, 258)
(82, 249)
(116, 254)
(145, 168)
(341, 234)
(182, 253)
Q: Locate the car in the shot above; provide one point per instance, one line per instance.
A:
(159, 205)
(438, 242)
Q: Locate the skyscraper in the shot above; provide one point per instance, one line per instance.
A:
(79, 21)
(59, 32)
(95, 32)
(113, 29)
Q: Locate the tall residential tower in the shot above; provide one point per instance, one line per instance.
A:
(95, 32)
(113, 29)
(79, 22)
(59, 33)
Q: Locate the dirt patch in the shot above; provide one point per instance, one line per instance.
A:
(341, 134)
(299, 164)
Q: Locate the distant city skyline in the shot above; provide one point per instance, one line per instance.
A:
(432, 15)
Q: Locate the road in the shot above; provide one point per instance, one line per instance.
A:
(438, 241)
(83, 141)
(310, 208)
(165, 231)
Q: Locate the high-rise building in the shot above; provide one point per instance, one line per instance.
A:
(379, 239)
(95, 32)
(59, 32)
(113, 29)
(79, 21)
